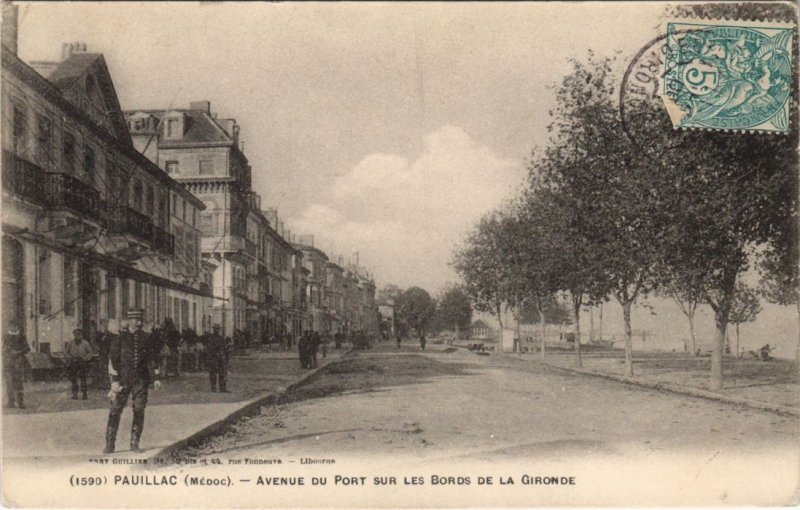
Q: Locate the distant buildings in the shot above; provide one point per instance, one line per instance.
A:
(105, 211)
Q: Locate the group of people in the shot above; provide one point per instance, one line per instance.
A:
(135, 362)
(309, 346)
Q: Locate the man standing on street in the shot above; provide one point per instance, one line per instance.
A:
(132, 365)
(217, 360)
(15, 347)
(79, 356)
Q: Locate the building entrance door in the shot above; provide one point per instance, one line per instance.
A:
(13, 284)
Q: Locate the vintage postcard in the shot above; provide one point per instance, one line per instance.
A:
(400, 255)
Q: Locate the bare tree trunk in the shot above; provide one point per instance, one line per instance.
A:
(721, 320)
(591, 323)
(722, 310)
(797, 353)
(736, 354)
(601, 321)
(542, 327)
(626, 314)
(500, 317)
(692, 334)
(576, 302)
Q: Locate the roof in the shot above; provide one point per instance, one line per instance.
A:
(479, 324)
(12, 63)
(200, 128)
(305, 247)
(68, 74)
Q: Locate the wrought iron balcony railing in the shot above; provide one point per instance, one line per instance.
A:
(23, 178)
(65, 191)
(250, 247)
(163, 241)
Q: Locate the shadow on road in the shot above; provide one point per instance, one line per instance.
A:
(363, 373)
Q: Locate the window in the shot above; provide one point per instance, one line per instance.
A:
(44, 138)
(172, 168)
(162, 211)
(173, 128)
(206, 167)
(150, 199)
(174, 205)
(137, 295)
(70, 286)
(136, 194)
(90, 87)
(20, 129)
(88, 160)
(112, 182)
(68, 160)
(124, 299)
(44, 281)
(111, 300)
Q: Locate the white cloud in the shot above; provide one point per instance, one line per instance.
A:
(404, 217)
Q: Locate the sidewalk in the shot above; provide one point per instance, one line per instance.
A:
(55, 426)
(772, 385)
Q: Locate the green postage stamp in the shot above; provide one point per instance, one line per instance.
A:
(728, 75)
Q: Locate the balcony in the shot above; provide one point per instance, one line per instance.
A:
(250, 248)
(124, 220)
(65, 191)
(22, 178)
(163, 242)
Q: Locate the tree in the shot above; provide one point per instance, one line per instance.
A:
(388, 294)
(617, 193)
(736, 191)
(454, 310)
(687, 298)
(483, 265)
(744, 308)
(416, 309)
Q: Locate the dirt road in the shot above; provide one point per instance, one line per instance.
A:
(444, 411)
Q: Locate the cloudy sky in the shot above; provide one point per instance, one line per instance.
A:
(383, 129)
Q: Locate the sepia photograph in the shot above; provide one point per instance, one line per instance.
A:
(400, 254)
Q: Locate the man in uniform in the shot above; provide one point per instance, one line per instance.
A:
(217, 360)
(15, 347)
(79, 356)
(132, 365)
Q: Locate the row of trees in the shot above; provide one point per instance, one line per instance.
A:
(605, 216)
(416, 312)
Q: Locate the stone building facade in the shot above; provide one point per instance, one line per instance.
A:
(88, 227)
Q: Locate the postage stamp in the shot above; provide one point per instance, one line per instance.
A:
(726, 75)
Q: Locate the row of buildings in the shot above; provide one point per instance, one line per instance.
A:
(106, 210)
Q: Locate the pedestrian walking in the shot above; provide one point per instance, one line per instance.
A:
(398, 339)
(105, 335)
(15, 347)
(199, 353)
(302, 350)
(422, 342)
(316, 340)
(217, 360)
(79, 357)
(132, 366)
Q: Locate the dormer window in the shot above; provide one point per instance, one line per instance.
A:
(91, 90)
(173, 126)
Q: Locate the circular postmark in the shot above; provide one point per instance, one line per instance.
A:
(642, 112)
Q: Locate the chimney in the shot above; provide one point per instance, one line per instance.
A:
(9, 26)
(272, 216)
(204, 106)
(280, 228)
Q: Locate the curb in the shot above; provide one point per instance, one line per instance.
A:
(250, 408)
(683, 390)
